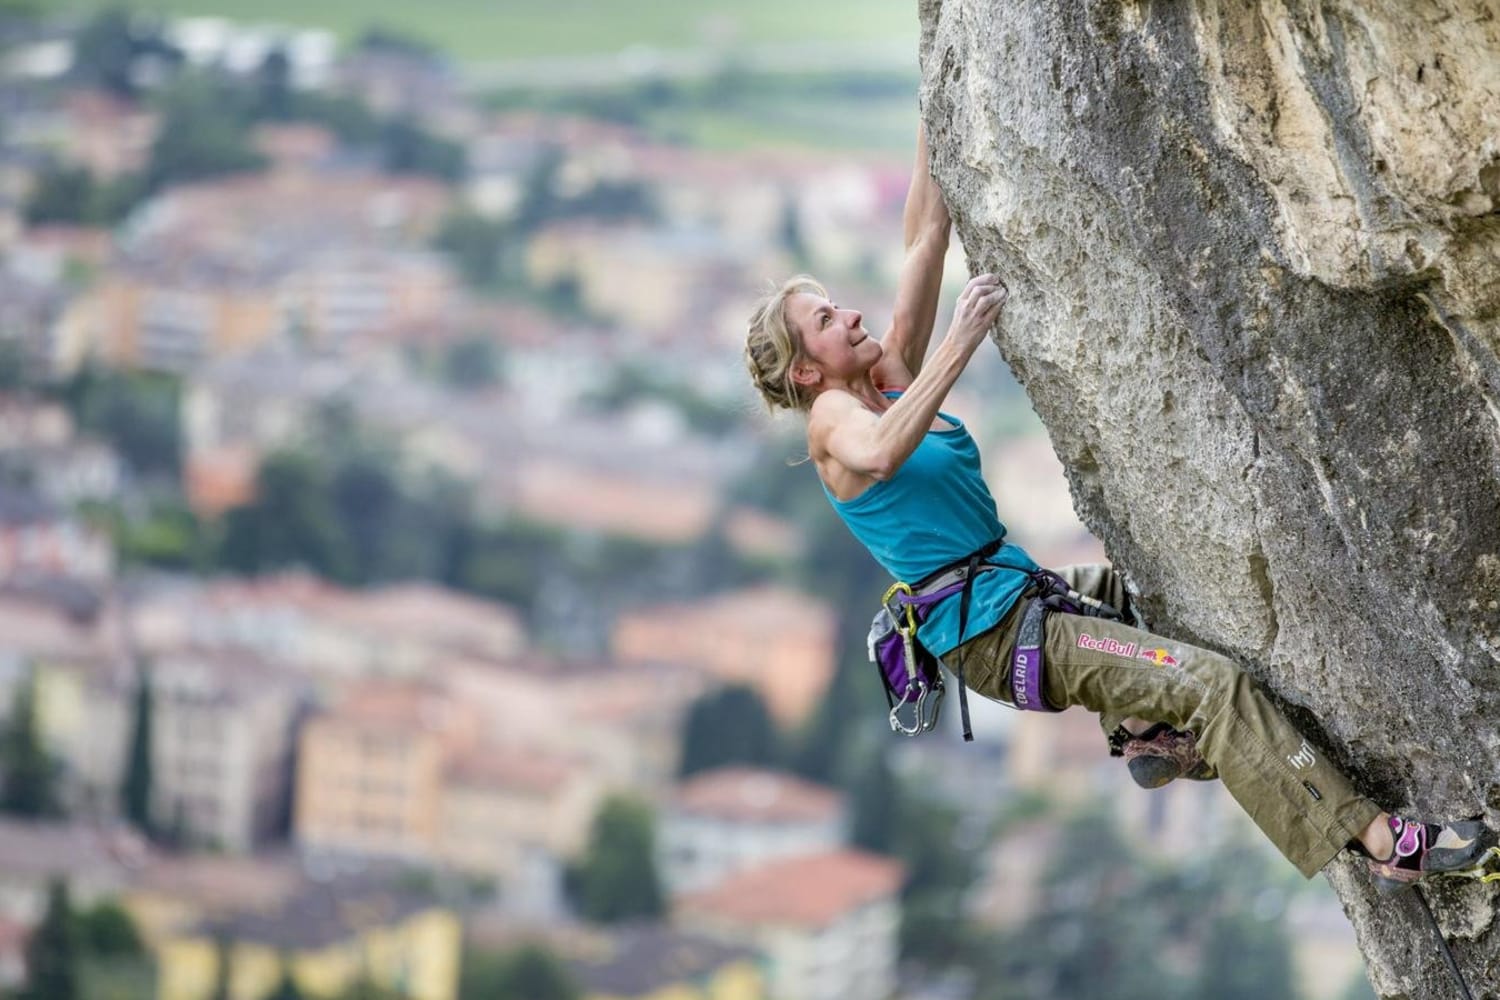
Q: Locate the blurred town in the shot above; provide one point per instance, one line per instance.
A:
(401, 595)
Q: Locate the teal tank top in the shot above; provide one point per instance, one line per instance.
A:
(933, 512)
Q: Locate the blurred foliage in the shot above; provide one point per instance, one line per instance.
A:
(52, 951)
(729, 725)
(117, 47)
(632, 383)
(204, 132)
(136, 413)
(286, 988)
(135, 788)
(29, 776)
(530, 971)
(616, 880)
(1111, 923)
(106, 930)
(730, 87)
(73, 196)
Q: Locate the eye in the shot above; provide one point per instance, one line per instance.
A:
(827, 318)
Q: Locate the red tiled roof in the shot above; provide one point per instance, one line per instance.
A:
(751, 795)
(811, 891)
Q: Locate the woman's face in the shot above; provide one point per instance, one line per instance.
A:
(834, 340)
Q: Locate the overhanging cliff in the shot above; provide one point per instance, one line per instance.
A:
(1254, 258)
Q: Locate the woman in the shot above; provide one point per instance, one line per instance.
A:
(905, 478)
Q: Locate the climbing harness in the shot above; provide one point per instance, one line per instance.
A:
(1480, 871)
(912, 676)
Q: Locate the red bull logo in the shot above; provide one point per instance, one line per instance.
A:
(1158, 656)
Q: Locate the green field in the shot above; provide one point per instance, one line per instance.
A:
(502, 29)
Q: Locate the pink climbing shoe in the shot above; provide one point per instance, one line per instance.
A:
(1423, 849)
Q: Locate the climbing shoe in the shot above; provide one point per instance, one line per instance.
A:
(1161, 754)
(1427, 849)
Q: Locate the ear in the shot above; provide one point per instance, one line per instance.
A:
(805, 375)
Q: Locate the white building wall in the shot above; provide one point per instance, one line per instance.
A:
(698, 851)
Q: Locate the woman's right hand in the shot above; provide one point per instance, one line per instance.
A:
(978, 307)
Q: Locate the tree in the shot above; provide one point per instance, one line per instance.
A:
(292, 521)
(875, 803)
(530, 971)
(1246, 957)
(28, 784)
(52, 951)
(475, 243)
(106, 930)
(536, 974)
(137, 413)
(274, 97)
(617, 880)
(104, 52)
(204, 133)
(135, 792)
(1091, 937)
(223, 967)
(287, 988)
(727, 726)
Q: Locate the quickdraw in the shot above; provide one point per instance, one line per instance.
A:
(904, 616)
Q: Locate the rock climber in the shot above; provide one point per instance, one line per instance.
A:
(905, 478)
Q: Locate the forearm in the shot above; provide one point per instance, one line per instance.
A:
(926, 215)
(926, 224)
(882, 445)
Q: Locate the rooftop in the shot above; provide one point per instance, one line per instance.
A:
(320, 915)
(752, 795)
(811, 891)
(42, 849)
(645, 960)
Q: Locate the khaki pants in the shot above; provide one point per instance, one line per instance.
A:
(1296, 796)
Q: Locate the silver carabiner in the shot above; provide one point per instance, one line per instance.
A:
(916, 727)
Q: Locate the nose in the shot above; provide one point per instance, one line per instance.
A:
(854, 317)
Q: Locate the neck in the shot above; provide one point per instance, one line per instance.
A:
(864, 390)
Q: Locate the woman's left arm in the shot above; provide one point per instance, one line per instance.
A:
(926, 224)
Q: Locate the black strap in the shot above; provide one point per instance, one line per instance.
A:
(963, 626)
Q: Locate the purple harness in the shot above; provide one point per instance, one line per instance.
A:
(912, 676)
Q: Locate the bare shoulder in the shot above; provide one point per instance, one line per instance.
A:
(828, 412)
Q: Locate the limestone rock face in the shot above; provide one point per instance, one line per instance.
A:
(1254, 258)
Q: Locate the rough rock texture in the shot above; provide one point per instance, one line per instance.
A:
(1254, 257)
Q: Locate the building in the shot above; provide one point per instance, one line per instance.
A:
(97, 863)
(106, 134)
(667, 285)
(325, 630)
(225, 267)
(39, 540)
(371, 771)
(778, 641)
(827, 923)
(505, 805)
(657, 963)
(329, 936)
(728, 820)
(223, 731)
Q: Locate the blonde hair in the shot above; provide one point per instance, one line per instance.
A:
(772, 346)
